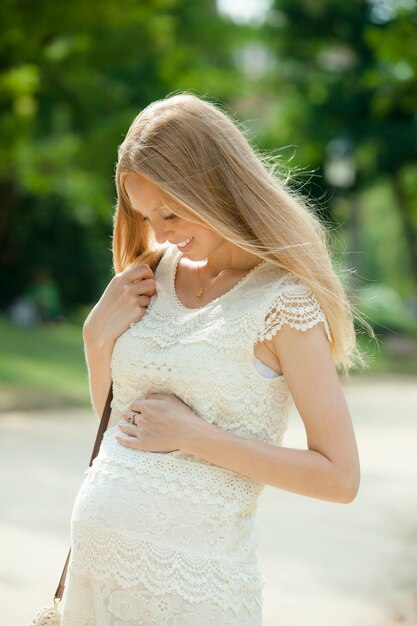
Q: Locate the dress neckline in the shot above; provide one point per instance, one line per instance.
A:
(173, 275)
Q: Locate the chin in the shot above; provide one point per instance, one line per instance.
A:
(192, 256)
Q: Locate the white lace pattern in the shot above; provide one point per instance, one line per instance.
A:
(168, 538)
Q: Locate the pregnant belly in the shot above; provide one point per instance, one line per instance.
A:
(167, 499)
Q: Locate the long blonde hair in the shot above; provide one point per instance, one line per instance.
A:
(203, 163)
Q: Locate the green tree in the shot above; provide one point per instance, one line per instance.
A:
(72, 78)
(350, 70)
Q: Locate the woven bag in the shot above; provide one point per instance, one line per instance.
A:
(49, 616)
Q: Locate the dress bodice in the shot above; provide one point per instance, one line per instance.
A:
(205, 355)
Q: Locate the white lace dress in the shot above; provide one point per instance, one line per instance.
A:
(168, 538)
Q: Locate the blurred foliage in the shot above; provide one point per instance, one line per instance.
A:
(42, 366)
(386, 358)
(348, 71)
(386, 310)
(384, 256)
(73, 76)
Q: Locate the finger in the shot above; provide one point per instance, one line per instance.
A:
(127, 442)
(129, 429)
(138, 271)
(137, 406)
(129, 416)
(145, 287)
(143, 301)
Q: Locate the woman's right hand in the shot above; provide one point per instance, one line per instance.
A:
(124, 301)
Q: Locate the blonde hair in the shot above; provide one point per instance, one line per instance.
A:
(203, 164)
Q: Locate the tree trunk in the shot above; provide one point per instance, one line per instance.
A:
(8, 201)
(407, 221)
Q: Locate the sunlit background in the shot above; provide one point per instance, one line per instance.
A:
(327, 88)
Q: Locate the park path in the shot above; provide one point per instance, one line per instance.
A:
(325, 564)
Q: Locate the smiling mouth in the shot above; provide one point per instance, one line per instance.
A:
(185, 243)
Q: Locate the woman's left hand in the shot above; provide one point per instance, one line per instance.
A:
(161, 423)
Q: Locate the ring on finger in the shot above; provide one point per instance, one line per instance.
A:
(132, 418)
(134, 415)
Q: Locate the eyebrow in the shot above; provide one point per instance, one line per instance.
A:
(154, 208)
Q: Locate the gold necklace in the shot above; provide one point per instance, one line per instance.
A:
(203, 290)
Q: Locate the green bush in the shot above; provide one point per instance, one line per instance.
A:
(42, 366)
(385, 310)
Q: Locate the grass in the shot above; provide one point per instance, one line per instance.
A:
(45, 367)
(42, 366)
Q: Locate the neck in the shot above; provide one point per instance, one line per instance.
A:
(228, 257)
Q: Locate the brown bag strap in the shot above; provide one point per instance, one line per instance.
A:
(104, 422)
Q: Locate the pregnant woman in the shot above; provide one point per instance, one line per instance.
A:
(223, 311)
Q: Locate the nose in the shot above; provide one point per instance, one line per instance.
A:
(161, 233)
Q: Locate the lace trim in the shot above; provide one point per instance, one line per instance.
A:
(99, 603)
(102, 604)
(295, 305)
(165, 339)
(169, 473)
(196, 578)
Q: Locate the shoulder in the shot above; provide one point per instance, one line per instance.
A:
(287, 301)
(297, 333)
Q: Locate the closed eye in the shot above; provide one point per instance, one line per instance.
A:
(172, 216)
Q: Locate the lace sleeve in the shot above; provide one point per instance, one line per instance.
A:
(295, 305)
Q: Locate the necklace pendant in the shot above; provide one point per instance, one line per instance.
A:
(199, 294)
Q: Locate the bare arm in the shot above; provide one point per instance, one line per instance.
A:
(98, 357)
(329, 468)
(124, 301)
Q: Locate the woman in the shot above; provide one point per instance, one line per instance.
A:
(224, 310)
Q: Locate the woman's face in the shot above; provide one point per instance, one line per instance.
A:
(195, 240)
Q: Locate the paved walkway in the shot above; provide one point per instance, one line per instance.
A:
(326, 564)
